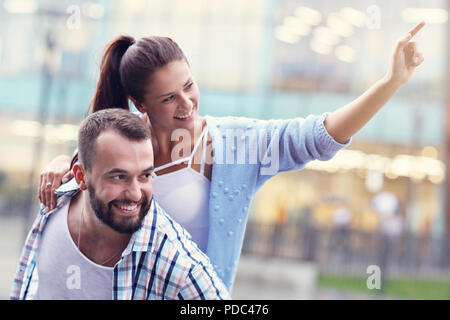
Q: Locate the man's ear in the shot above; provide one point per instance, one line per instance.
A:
(80, 178)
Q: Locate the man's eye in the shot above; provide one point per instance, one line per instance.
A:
(147, 175)
(189, 86)
(119, 177)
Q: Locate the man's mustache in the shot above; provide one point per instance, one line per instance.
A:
(143, 199)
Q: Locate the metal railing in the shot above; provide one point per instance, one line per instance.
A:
(348, 251)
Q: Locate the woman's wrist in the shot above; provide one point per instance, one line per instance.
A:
(393, 83)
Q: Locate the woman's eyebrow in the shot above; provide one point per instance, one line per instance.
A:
(184, 85)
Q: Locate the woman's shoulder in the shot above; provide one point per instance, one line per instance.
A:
(232, 122)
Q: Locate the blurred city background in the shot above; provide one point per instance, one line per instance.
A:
(313, 233)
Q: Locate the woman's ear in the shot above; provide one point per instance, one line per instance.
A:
(138, 105)
(80, 178)
(147, 120)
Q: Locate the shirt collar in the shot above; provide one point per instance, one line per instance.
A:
(143, 239)
(67, 187)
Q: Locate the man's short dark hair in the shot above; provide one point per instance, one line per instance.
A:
(127, 124)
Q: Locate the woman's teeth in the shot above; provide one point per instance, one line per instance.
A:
(185, 116)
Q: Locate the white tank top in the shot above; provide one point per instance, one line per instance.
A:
(184, 195)
(64, 272)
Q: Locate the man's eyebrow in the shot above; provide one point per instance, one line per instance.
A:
(116, 170)
(149, 169)
(184, 85)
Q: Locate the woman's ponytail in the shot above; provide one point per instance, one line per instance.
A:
(110, 92)
(126, 68)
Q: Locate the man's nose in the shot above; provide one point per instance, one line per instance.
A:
(134, 191)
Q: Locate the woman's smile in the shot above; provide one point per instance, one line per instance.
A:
(185, 117)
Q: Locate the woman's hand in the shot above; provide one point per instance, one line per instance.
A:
(345, 122)
(57, 172)
(405, 59)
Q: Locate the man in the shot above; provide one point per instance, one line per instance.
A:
(107, 238)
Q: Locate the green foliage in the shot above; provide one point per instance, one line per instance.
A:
(397, 288)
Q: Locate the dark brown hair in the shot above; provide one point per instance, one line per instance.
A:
(127, 66)
(125, 123)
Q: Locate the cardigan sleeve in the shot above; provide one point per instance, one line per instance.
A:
(287, 145)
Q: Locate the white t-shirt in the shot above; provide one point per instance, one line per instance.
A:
(64, 272)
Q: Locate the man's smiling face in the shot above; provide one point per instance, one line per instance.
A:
(120, 182)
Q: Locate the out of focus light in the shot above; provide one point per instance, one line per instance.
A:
(435, 168)
(391, 175)
(353, 16)
(308, 15)
(20, 6)
(375, 162)
(285, 34)
(53, 133)
(374, 181)
(402, 165)
(413, 167)
(354, 159)
(331, 168)
(326, 36)
(297, 26)
(345, 53)
(429, 15)
(77, 40)
(436, 179)
(25, 128)
(339, 26)
(430, 152)
(135, 6)
(320, 47)
(93, 10)
(61, 133)
(417, 174)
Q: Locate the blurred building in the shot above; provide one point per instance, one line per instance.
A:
(261, 58)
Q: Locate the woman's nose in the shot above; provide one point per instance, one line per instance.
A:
(185, 101)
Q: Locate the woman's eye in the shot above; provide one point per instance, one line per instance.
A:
(168, 99)
(189, 85)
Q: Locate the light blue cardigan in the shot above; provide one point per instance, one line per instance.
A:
(234, 183)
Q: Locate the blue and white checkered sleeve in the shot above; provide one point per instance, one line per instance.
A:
(202, 283)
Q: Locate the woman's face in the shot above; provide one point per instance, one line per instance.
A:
(172, 97)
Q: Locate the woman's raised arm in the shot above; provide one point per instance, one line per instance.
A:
(348, 120)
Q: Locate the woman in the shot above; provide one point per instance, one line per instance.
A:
(211, 198)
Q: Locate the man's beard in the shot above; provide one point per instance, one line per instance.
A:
(105, 213)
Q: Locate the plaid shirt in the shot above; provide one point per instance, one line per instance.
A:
(160, 261)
